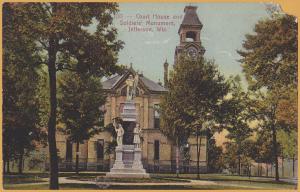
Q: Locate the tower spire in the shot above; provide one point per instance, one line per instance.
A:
(189, 32)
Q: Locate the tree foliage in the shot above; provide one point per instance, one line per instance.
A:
(215, 158)
(238, 112)
(79, 105)
(288, 143)
(62, 37)
(237, 117)
(196, 91)
(21, 119)
(269, 56)
(269, 60)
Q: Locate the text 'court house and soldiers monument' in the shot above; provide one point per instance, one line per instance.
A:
(135, 99)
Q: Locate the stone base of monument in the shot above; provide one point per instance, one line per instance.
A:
(128, 163)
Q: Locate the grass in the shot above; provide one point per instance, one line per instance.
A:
(259, 185)
(129, 180)
(220, 182)
(46, 186)
(93, 187)
(220, 177)
(24, 178)
(143, 187)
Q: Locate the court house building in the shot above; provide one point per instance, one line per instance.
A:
(158, 152)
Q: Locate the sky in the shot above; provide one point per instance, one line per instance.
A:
(224, 29)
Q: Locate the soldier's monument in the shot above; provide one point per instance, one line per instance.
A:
(128, 155)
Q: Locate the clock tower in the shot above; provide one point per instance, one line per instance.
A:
(189, 33)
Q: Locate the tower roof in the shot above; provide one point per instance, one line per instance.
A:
(190, 17)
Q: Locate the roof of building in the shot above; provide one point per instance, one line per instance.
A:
(151, 85)
(109, 83)
(190, 16)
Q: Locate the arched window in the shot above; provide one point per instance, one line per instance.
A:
(190, 36)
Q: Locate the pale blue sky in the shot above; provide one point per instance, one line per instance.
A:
(224, 29)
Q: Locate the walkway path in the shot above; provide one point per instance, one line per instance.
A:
(66, 180)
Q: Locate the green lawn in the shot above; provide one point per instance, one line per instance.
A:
(166, 187)
(24, 178)
(219, 182)
(218, 177)
(46, 186)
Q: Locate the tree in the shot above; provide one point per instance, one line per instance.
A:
(287, 110)
(79, 105)
(265, 107)
(246, 153)
(21, 120)
(230, 157)
(263, 147)
(288, 142)
(269, 60)
(237, 117)
(61, 34)
(196, 91)
(215, 161)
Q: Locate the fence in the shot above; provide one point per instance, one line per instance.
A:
(151, 166)
(287, 168)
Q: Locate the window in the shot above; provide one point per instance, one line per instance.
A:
(121, 107)
(156, 116)
(100, 149)
(190, 36)
(69, 150)
(124, 91)
(156, 150)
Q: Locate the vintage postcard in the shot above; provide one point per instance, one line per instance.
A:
(159, 96)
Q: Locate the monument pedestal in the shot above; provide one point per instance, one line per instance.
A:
(119, 159)
(128, 163)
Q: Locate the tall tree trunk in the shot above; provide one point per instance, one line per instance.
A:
(20, 165)
(293, 167)
(249, 171)
(52, 119)
(271, 169)
(198, 154)
(282, 166)
(267, 165)
(77, 158)
(207, 147)
(274, 143)
(4, 166)
(8, 166)
(177, 158)
(239, 159)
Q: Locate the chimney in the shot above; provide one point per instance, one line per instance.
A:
(166, 71)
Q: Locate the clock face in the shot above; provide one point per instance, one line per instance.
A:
(192, 52)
